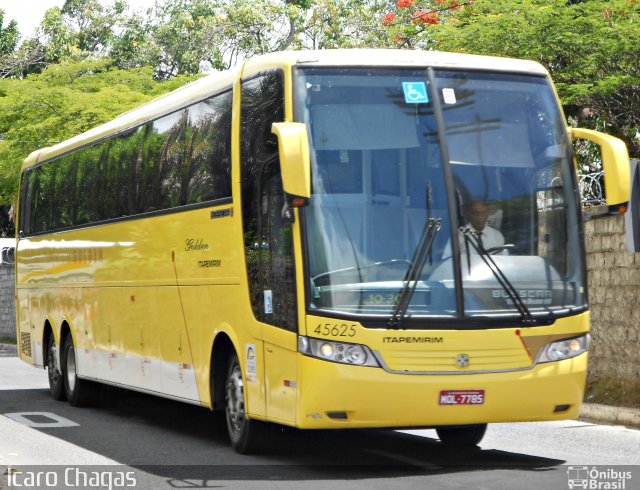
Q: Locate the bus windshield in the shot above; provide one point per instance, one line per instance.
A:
(488, 163)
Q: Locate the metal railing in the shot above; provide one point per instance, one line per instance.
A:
(7, 255)
(591, 187)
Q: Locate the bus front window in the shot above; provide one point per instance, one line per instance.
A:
(379, 188)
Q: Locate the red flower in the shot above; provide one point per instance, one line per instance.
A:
(388, 19)
(405, 4)
(416, 18)
(398, 38)
(431, 18)
(425, 17)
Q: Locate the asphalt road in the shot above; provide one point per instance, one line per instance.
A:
(166, 444)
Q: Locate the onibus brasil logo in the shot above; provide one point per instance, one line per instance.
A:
(597, 478)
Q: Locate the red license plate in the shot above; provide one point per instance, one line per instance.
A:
(461, 397)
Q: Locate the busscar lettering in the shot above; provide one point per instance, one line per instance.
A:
(209, 263)
(524, 293)
(412, 340)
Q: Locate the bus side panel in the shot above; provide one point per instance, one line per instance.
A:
(143, 297)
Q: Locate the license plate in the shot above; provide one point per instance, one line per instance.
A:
(461, 397)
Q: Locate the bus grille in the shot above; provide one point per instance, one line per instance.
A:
(456, 361)
(25, 344)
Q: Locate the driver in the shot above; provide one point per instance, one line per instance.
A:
(485, 236)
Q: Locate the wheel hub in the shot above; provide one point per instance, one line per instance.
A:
(71, 368)
(53, 371)
(235, 399)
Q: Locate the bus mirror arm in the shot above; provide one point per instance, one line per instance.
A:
(295, 163)
(287, 214)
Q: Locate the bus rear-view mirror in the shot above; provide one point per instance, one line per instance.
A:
(293, 145)
(615, 164)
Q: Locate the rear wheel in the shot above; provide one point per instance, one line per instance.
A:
(78, 391)
(464, 436)
(246, 435)
(56, 383)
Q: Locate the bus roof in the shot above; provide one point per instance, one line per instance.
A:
(394, 57)
(219, 81)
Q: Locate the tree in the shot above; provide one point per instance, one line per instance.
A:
(409, 22)
(187, 36)
(81, 29)
(63, 101)
(9, 36)
(182, 36)
(332, 24)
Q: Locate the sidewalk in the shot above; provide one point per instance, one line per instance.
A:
(590, 411)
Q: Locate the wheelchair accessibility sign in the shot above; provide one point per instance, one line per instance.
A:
(415, 92)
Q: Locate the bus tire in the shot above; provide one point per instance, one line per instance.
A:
(464, 436)
(56, 381)
(247, 436)
(79, 392)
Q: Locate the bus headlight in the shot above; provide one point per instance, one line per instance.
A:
(564, 349)
(342, 352)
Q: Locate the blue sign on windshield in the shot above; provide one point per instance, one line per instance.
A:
(415, 92)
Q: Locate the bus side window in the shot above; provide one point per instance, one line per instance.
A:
(277, 264)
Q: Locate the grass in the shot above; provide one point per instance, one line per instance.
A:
(8, 340)
(608, 390)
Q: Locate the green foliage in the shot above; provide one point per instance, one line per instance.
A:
(187, 36)
(81, 28)
(334, 24)
(9, 35)
(63, 101)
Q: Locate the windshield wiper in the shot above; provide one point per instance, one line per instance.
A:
(411, 278)
(469, 237)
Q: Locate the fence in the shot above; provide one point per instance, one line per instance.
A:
(591, 189)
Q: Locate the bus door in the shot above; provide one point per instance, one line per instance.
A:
(268, 247)
(279, 312)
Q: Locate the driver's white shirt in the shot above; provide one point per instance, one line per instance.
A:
(490, 238)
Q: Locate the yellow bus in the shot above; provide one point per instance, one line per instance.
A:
(324, 240)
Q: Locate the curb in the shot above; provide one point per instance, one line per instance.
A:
(609, 414)
(8, 350)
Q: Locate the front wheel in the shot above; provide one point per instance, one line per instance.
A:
(246, 435)
(464, 436)
(79, 392)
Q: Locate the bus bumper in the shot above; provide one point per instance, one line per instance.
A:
(333, 396)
